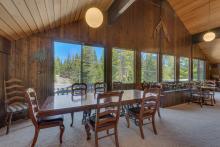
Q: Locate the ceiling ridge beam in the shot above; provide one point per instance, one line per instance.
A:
(118, 8)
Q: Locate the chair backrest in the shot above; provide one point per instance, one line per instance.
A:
(33, 106)
(100, 87)
(149, 101)
(108, 104)
(14, 91)
(79, 89)
(117, 85)
(145, 85)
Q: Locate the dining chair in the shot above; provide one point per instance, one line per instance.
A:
(100, 87)
(41, 122)
(160, 86)
(146, 109)
(117, 86)
(78, 89)
(210, 90)
(14, 100)
(196, 95)
(106, 116)
(145, 85)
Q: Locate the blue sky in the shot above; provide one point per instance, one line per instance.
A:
(62, 50)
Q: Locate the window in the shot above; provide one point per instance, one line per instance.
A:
(148, 67)
(123, 65)
(75, 63)
(198, 69)
(168, 68)
(184, 69)
(92, 64)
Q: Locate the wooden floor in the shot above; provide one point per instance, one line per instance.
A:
(182, 125)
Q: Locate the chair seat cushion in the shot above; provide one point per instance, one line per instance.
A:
(196, 95)
(135, 110)
(17, 107)
(92, 120)
(50, 119)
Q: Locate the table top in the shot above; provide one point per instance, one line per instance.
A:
(62, 104)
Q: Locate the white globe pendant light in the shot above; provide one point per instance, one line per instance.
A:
(94, 17)
(209, 36)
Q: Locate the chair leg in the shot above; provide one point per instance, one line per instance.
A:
(158, 112)
(201, 101)
(35, 137)
(154, 126)
(9, 117)
(158, 109)
(214, 99)
(96, 139)
(62, 128)
(116, 137)
(72, 118)
(87, 128)
(127, 119)
(141, 128)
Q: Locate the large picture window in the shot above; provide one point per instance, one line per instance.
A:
(168, 68)
(184, 69)
(122, 65)
(148, 67)
(75, 63)
(198, 69)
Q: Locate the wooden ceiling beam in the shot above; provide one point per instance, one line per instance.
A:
(117, 8)
(197, 38)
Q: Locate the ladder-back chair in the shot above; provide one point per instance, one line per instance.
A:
(106, 116)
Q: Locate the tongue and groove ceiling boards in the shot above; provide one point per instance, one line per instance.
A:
(195, 16)
(21, 18)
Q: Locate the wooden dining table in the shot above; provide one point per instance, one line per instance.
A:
(63, 104)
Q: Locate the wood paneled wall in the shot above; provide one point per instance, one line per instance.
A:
(134, 29)
(4, 51)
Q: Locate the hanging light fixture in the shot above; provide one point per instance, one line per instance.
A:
(94, 17)
(209, 36)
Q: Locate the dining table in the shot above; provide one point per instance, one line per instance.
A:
(64, 104)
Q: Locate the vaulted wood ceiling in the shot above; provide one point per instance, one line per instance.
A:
(21, 18)
(211, 50)
(195, 14)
